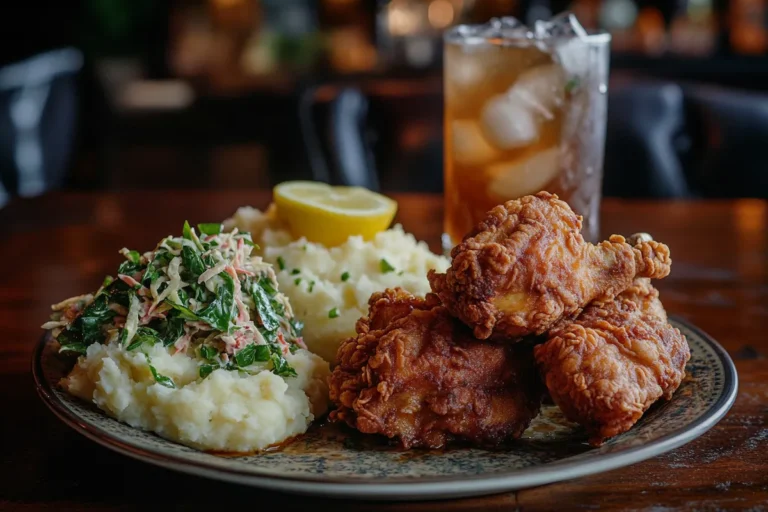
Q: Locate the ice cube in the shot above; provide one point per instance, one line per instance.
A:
(469, 145)
(508, 121)
(464, 69)
(522, 177)
(574, 56)
(507, 27)
(543, 88)
(512, 120)
(564, 25)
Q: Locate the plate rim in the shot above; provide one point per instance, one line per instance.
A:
(410, 488)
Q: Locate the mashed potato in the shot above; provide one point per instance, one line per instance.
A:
(329, 287)
(228, 410)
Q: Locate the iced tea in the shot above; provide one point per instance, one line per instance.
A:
(524, 112)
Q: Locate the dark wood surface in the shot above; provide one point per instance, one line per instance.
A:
(63, 244)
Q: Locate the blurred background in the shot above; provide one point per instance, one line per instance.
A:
(135, 94)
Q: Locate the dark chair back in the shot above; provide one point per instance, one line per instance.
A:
(38, 113)
(336, 137)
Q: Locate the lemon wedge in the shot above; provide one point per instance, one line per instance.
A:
(330, 215)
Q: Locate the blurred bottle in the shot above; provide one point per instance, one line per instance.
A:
(651, 29)
(693, 30)
(618, 17)
(409, 32)
(349, 31)
(747, 26)
(287, 37)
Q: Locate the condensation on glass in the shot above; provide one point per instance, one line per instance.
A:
(525, 110)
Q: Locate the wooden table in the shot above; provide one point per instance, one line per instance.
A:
(63, 244)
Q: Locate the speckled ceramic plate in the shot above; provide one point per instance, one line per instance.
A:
(332, 461)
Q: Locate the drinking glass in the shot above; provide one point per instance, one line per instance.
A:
(525, 111)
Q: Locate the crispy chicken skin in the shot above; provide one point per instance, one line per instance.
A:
(415, 374)
(616, 359)
(526, 266)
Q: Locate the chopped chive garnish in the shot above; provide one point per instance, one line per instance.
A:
(311, 286)
(345, 276)
(295, 271)
(385, 266)
(333, 313)
(572, 84)
(281, 263)
(297, 281)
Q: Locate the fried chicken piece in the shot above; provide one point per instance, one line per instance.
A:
(526, 266)
(415, 374)
(616, 359)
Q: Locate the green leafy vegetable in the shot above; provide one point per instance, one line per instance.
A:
(150, 275)
(164, 257)
(252, 353)
(261, 353)
(144, 335)
(385, 266)
(209, 228)
(186, 232)
(207, 369)
(208, 352)
(267, 285)
(264, 307)
(162, 379)
(221, 310)
(129, 268)
(192, 261)
(133, 257)
(171, 330)
(88, 326)
(184, 312)
(199, 292)
(77, 348)
(215, 307)
(280, 366)
(116, 292)
(345, 276)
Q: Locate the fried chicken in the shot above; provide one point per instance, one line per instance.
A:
(526, 266)
(616, 359)
(415, 374)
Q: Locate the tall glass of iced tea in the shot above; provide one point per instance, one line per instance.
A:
(525, 110)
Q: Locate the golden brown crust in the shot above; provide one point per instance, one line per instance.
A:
(526, 266)
(616, 359)
(419, 377)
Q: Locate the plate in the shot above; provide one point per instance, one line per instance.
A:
(334, 461)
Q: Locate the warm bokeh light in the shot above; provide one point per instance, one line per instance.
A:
(440, 13)
(402, 19)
